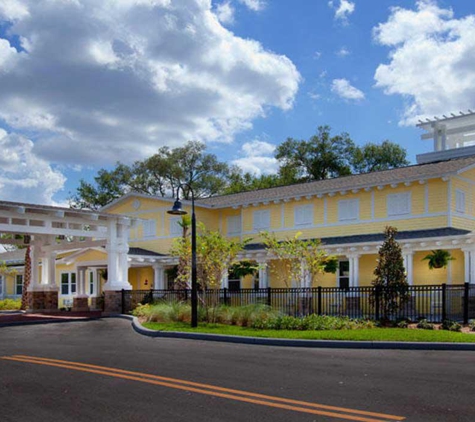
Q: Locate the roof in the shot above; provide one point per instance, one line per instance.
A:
(143, 252)
(360, 181)
(379, 237)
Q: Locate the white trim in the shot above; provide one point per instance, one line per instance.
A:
(426, 198)
(282, 215)
(325, 211)
(372, 205)
(449, 203)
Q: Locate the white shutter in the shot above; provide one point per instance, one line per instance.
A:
(303, 215)
(149, 228)
(234, 225)
(460, 201)
(261, 220)
(348, 209)
(175, 228)
(399, 204)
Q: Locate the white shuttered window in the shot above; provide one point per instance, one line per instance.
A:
(348, 210)
(399, 204)
(303, 215)
(460, 201)
(175, 228)
(234, 225)
(261, 220)
(149, 228)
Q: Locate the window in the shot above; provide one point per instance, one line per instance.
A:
(68, 283)
(175, 228)
(234, 225)
(149, 228)
(234, 281)
(261, 220)
(344, 275)
(460, 201)
(19, 284)
(303, 215)
(348, 209)
(399, 204)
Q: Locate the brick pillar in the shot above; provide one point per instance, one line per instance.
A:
(113, 302)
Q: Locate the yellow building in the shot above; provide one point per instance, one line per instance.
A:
(432, 204)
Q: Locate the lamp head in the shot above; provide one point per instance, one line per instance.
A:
(177, 209)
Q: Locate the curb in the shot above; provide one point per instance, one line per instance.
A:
(327, 344)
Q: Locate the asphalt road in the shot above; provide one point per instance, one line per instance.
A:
(46, 374)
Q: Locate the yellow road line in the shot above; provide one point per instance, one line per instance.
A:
(189, 386)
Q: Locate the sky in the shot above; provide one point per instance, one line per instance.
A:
(87, 83)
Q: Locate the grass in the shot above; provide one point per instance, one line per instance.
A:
(373, 334)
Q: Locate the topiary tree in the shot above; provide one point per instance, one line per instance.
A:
(391, 288)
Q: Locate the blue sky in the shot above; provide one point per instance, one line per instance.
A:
(87, 83)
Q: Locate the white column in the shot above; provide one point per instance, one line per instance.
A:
(354, 270)
(466, 256)
(225, 280)
(158, 277)
(472, 267)
(117, 263)
(409, 266)
(35, 270)
(263, 275)
(81, 279)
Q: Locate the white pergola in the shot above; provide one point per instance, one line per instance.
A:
(55, 229)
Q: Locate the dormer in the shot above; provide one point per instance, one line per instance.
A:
(453, 137)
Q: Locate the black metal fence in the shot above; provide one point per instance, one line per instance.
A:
(435, 303)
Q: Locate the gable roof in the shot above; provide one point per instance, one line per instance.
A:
(412, 173)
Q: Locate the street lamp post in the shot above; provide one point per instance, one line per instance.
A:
(178, 210)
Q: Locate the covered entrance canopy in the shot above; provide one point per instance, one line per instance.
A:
(53, 229)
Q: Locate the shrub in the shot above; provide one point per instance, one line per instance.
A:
(451, 325)
(312, 322)
(425, 325)
(10, 304)
(175, 312)
(402, 323)
(471, 325)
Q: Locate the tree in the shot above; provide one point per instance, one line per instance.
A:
(373, 157)
(304, 260)
(244, 182)
(391, 289)
(158, 175)
(321, 157)
(26, 279)
(324, 156)
(215, 254)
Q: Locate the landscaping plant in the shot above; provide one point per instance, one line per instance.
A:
(391, 289)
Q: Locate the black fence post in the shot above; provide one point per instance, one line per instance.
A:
(319, 300)
(225, 296)
(377, 303)
(444, 302)
(269, 298)
(123, 301)
(466, 292)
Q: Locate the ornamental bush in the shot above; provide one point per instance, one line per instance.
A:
(10, 304)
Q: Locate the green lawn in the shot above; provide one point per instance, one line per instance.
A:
(373, 334)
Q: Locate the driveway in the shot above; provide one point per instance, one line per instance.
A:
(103, 370)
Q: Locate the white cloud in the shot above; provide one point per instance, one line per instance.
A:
(431, 62)
(115, 80)
(343, 52)
(225, 13)
(255, 5)
(24, 177)
(344, 89)
(343, 9)
(258, 158)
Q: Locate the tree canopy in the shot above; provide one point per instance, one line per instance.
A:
(323, 156)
